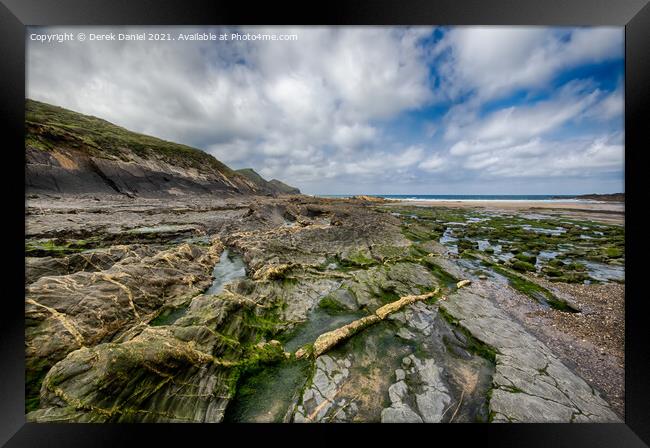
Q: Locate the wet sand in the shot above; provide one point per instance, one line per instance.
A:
(524, 205)
(607, 212)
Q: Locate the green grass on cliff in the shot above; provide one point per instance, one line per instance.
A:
(48, 126)
(253, 176)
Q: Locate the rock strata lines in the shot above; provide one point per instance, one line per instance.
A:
(530, 383)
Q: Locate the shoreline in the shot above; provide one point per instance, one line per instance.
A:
(606, 212)
(519, 204)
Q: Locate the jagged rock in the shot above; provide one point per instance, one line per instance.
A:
(344, 298)
(417, 317)
(273, 272)
(405, 334)
(84, 309)
(311, 245)
(159, 378)
(294, 258)
(300, 296)
(399, 279)
(401, 414)
(87, 261)
(434, 398)
(177, 373)
(390, 252)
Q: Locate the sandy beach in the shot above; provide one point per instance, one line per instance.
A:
(608, 212)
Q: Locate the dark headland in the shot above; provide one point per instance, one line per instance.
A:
(164, 286)
(607, 197)
(71, 153)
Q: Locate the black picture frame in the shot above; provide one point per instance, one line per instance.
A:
(634, 15)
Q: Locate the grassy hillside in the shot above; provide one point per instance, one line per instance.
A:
(273, 185)
(282, 187)
(253, 176)
(48, 125)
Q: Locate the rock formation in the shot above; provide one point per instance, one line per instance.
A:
(273, 185)
(252, 305)
(67, 152)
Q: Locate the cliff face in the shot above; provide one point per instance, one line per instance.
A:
(67, 152)
(283, 188)
(273, 185)
(608, 197)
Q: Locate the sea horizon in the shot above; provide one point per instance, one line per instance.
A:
(471, 197)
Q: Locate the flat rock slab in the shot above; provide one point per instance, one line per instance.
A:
(430, 401)
(530, 383)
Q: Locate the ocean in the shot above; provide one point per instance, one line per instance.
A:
(470, 197)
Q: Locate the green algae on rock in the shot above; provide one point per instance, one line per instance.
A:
(312, 266)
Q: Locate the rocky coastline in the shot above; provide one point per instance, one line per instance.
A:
(163, 286)
(129, 319)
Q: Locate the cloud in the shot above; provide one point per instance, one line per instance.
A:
(353, 136)
(433, 163)
(232, 151)
(345, 108)
(376, 163)
(541, 158)
(495, 61)
(518, 122)
(512, 125)
(531, 141)
(610, 107)
(242, 100)
(430, 129)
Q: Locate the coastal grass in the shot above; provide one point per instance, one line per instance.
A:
(47, 123)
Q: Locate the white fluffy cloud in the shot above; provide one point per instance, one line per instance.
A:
(241, 100)
(433, 163)
(327, 112)
(353, 136)
(549, 159)
(494, 61)
(521, 141)
(516, 124)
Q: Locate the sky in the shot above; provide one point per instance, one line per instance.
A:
(363, 110)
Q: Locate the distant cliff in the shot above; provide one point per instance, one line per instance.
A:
(273, 185)
(608, 197)
(68, 152)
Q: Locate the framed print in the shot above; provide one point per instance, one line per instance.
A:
(369, 213)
